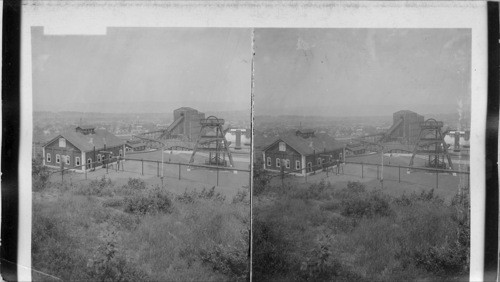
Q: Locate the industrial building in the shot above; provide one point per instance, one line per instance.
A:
(82, 145)
(187, 123)
(302, 152)
(406, 127)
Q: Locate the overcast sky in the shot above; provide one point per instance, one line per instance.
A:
(349, 72)
(143, 69)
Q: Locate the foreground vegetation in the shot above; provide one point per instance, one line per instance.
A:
(101, 231)
(329, 233)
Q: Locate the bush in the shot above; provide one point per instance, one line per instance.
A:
(101, 187)
(240, 197)
(53, 249)
(366, 205)
(261, 178)
(109, 265)
(135, 184)
(356, 187)
(40, 175)
(113, 202)
(271, 250)
(316, 191)
(422, 197)
(206, 194)
(155, 201)
(227, 260)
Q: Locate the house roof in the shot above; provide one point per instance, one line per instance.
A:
(185, 109)
(321, 142)
(86, 126)
(86, 142)
(136, 145)
(355, 147)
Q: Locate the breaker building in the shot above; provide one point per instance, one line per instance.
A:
(187, 123)
(405, 128)
(80, 148)
(302, 152)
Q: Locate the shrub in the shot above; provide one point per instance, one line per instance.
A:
(366, 205)
(240, 197)
(316, 191)
(424, 196)
(321, 265)
(155, 201)
(261, 178)
(210, 194)
(101, 187)
(356, 187)
(108, 265)
(135, 184)
(112, 202)
(206, 194)
(271, 249)
(40, 175)
(227, 260)
(54, 250)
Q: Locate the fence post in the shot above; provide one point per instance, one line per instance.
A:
(399, 174)
(217, 175)
(142, 164)
(437, 179)
(158, 168)
(179, 171)
(362, 170)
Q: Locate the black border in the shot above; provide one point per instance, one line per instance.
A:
(11, 43)
(491, 168)
(11, 128)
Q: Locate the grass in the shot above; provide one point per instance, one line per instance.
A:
(327, 232)
(104, 231)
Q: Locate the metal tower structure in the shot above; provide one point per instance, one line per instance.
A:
(431, 143)
(212, 140)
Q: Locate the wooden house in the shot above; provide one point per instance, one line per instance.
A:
(302, 152)
(83, 148)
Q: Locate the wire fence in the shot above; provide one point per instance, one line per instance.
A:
(394, 174)
(163, 171)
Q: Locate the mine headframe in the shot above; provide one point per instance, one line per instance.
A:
(212, 140)
(431, 143)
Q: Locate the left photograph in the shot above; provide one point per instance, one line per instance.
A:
(141, 154)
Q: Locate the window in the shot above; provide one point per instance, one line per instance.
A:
(58, 159)
(287, 163)
(120, 153)
(268, 161)
(89, 163)
(67, 159)
(282, 146)
(77, 161)
(278, 163)
(62, 142)
(99, 157)
(319, 161)
(49, 159)
(297, 164)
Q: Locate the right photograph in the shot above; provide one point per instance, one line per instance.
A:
(361, 154)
